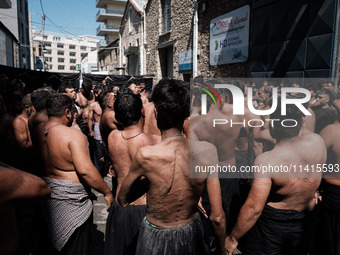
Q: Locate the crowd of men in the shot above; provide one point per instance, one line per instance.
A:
(65, 141)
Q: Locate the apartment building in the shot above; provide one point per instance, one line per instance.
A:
(132, 38)
(61, 53)
(14, 34)
(110, 13)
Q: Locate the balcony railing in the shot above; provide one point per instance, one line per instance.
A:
(103, 3)
(109, 13)
(107, 29)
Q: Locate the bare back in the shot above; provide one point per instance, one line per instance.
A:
(295, 190)
(173, 195)
(55, 148)
(122, 152)
(331, 136)
(223, 136)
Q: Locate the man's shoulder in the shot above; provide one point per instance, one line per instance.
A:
(72, 133)
(151, 139)
(332, 130)
(311, 138)
(114, 134)
(19, 120)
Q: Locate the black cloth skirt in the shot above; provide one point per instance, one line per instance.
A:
(278, 231)
(122, 228)
(187, 239)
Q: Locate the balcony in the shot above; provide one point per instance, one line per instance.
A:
(103, 3)
(104, 14)
(102, 44)
(103, 30)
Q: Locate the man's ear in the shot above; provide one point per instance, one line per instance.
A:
(68, 113)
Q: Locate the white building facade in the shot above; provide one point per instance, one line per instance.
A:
(61, 53)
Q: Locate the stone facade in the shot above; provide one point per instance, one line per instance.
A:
(177, 40)
(108, 58)
(181, 37)
(163, 46)
(131, 33)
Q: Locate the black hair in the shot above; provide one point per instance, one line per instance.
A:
(39, 97)
(328, 93)
(123, 90)
(292, 113)
(57, 103)
(131, 81)
(128, 109)
(103, 98)
(63, 86)
(87, 87)
(172, 102)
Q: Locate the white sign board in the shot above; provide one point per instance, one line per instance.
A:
(185, 60)
(229, 37)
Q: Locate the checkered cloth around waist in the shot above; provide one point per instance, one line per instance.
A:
(67, 209)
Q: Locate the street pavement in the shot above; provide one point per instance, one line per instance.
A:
(99, 221)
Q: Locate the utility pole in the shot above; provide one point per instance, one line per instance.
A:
(31, 36)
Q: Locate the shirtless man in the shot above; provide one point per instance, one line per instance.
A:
(22, 134)
(16, 186)
(84, 98)
(275, 210)
(122, 147)
(132, 84)
(327, 240)
(142, 92)
(38, 98)
(97, 148)
(67, 167)
(224, 137)
(172, 224)
(108, 121)
(68, 89)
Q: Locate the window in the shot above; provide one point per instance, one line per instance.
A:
(82, 47)
(72, 54)
(60, 45)
(72, 47)
(82, 55)
(61, 67)
(72, 67)
(72, 61)
(48, 52)
(56, 38)
(45, 37)
(60, 53)
(51, 67)
(166, 15)
(60, 60)
(48, 59)
(48, 44)
(130, 19)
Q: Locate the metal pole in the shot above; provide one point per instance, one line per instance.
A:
(195, 42)
(31, 43)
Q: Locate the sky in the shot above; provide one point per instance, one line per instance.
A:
(73, 17)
